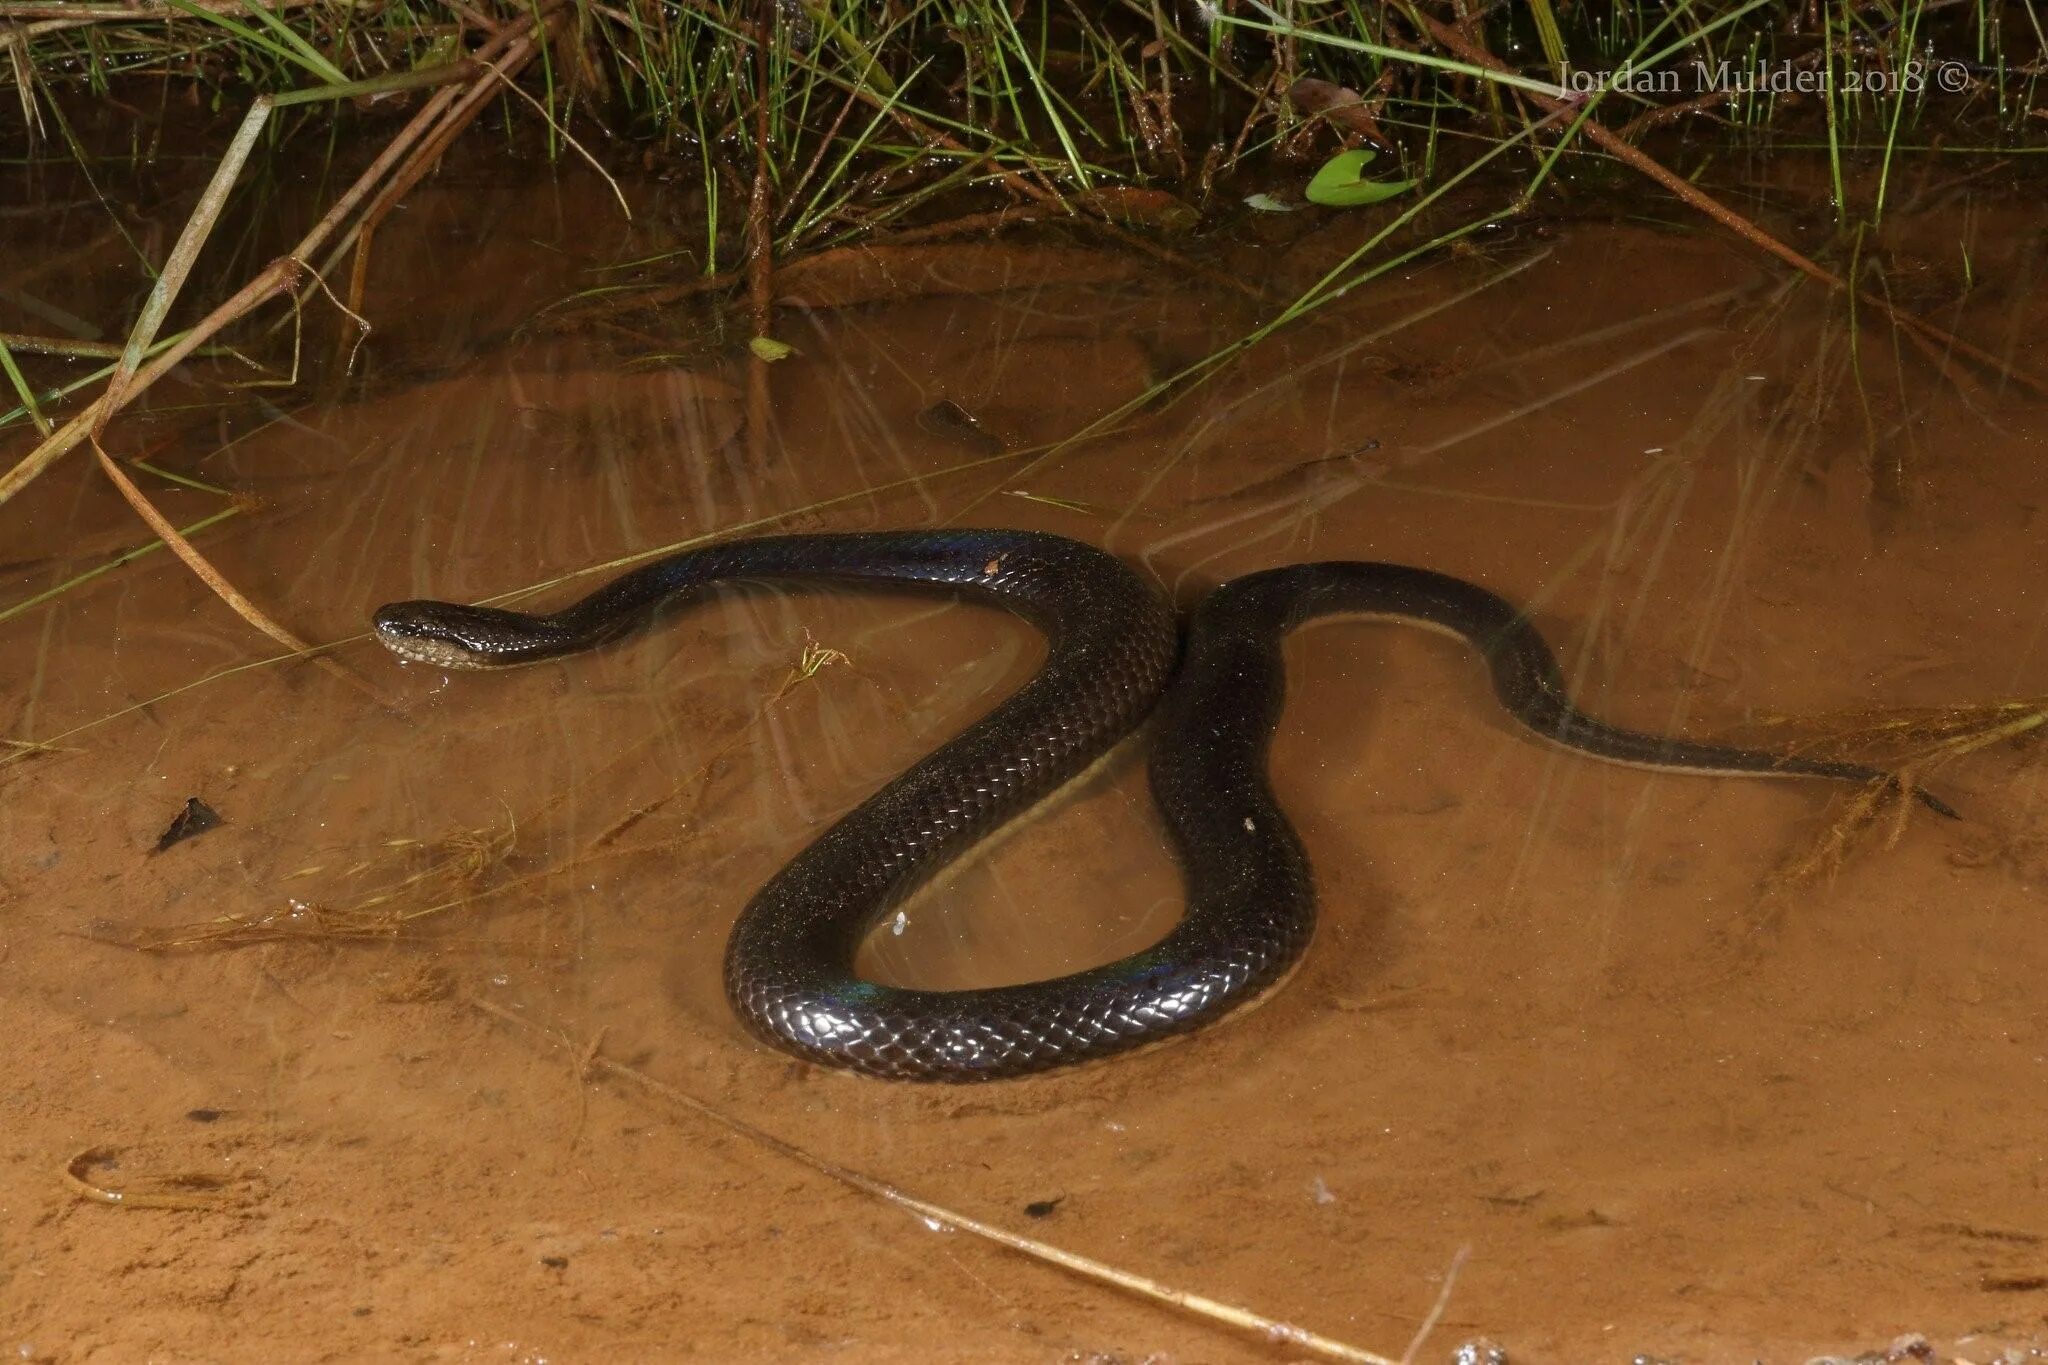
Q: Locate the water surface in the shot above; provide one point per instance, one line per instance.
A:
(1558, 1015)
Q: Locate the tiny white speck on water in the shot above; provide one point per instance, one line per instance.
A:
(1321, 1191)
(1653, 450)
(901, 923)
(1249, 827)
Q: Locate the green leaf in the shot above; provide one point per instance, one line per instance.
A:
(768, 348)
(1337, 184)
(308, 55)
(446, 48)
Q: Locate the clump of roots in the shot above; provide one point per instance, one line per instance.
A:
(1909, 743)
(449, 873)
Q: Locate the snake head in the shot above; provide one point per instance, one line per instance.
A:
(450, 636)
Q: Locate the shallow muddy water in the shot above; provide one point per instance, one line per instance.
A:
(1564, 1027)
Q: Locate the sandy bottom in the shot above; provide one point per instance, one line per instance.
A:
(1555, 1030)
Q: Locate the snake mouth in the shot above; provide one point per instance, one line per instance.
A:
(427, 649)
(427, 633)
(446, 635)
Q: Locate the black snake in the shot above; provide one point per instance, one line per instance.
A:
(1115, 657)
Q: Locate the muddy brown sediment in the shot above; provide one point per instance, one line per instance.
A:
(1549, 1015)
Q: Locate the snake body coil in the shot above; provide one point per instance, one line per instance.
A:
(1113, 652)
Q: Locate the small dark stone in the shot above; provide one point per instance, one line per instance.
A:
(555, 1262)
(195, 819)
(203, 1115)
(947, 418)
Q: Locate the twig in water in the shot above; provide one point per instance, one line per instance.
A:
(194, 561)
(212, 577)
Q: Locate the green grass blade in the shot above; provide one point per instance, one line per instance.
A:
(296, 53)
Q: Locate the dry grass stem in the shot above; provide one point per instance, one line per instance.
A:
(178, 545)
(28, 22)
(1436, 1310)
(183, 549)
